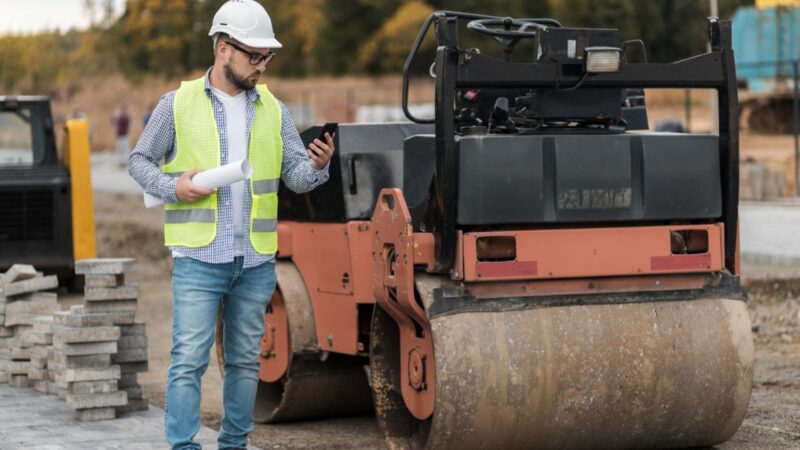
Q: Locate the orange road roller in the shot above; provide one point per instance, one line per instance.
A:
(531, 268)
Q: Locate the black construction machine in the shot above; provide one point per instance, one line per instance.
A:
(46, 208)
(529, 269)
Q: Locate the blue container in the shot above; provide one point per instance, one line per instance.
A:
(765, 42)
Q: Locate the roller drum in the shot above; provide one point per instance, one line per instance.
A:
(665, 374)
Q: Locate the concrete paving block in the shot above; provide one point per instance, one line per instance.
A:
(18, 367)
(78, 317)
(137, 367)
(40, 351)
(99, 294)
(38, 297)
(20, 354)
(39, 363)
(36, 374)
(14, 320)
(137, 329)
(25, 341)
(27, 317)
(134, 405)
(20, 331)
(19, 381)
(31, 285)
(95, 414)
(111, 306)
(104, 266)
(43, 324)
(131, 341)
(72, 319)
(72, 362)
(17, 272)
(93, 387)
(131, 355)
(93, 348)
(106, 400)
(122, 317)
(31, 307)
(91, 374)
(100, 280)
(40, 386)
(41, 339)
(74, 335)
(134, 392)
(127, 380)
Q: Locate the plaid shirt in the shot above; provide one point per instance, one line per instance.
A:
(158, 142)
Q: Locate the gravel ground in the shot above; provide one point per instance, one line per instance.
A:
(126, 229)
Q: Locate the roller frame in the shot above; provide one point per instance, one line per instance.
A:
(393, 283)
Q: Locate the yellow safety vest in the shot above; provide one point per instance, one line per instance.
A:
(197, 146)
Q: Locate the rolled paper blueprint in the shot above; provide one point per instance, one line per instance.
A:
(212, 179)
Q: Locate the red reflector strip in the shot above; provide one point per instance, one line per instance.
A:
(506, 269)
(677, 262)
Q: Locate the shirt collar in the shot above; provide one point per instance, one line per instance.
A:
(252, 94)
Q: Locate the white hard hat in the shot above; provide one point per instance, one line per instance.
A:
(247, 22)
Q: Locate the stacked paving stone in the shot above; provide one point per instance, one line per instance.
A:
(106, 292)
(39, 373)
(84, 376)
(17, 272)
(24, 301)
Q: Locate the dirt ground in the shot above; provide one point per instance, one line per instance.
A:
(126, 229)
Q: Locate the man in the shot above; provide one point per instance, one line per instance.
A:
(223, 241)
(122, 121)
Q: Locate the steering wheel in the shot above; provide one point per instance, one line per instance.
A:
(512, 31)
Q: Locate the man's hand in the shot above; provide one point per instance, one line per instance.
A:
(321, 152)
(188, 192)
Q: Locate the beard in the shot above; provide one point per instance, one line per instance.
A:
(243, 83)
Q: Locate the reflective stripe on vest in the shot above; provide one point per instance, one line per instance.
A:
(189, 215)
(195, 224)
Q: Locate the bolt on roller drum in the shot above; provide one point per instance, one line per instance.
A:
(666, 374)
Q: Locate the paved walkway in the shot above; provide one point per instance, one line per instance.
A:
(770, 233)
(33, 421)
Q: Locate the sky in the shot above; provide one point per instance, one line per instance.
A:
(31, 16)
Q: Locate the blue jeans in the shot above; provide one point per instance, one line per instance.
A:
(197, 288)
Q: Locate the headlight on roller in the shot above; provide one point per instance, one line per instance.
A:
(602, 59)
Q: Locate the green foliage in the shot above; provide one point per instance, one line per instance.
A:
(320, 37)
(346, 26)
(386, 50)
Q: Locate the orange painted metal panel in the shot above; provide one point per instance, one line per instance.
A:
(324, 254)
(603, 285)
(284, 240)
(360, 239)
(593, 252)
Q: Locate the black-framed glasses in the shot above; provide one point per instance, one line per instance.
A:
(255, 58)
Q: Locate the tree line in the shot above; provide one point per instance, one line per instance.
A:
(320, 37)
